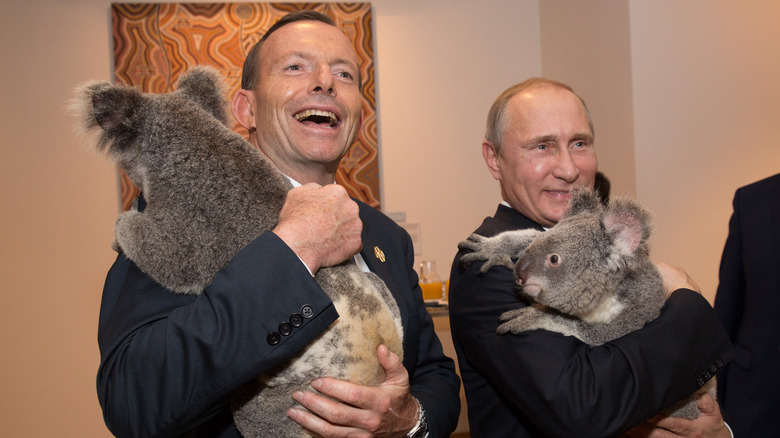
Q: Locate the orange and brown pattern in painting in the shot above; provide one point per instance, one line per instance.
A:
(155, 42)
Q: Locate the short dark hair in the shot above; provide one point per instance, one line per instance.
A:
(250, 73)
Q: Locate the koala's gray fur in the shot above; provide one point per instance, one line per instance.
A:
(209, 193)
(589, 276)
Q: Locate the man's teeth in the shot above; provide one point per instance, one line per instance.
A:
(318, 116)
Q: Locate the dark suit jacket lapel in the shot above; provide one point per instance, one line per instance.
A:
(774, 211)
(507, 219)
(372, 238)
(371, 252)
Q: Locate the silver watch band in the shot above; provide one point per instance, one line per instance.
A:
(420, 430)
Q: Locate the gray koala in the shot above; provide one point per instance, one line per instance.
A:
(589, 276)
(209, 193)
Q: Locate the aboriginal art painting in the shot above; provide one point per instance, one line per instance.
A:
(155, 42)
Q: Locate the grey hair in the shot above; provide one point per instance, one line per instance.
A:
(497, 116)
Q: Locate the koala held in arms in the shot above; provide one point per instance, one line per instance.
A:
(209, 193)
(589, 276)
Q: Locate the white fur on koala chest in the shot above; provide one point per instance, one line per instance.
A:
(605, 312)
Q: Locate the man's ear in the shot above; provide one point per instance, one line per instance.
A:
(491, 159)
(243, 108)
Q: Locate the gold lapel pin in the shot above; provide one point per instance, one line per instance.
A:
(379, 254)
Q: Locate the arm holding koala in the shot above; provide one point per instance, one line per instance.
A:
(546, 383)
(170, 361)
(426, 374)
(563, 386)
(675, 278)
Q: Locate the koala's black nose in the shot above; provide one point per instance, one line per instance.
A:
(521, 270)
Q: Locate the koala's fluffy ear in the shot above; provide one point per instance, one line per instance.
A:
(205, 86)
(628, 224)
(583, 199)
(112, 108)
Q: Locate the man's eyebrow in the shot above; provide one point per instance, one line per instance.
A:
(587, 136)
(308, 56)
(543, 139)
(295, 54)
(344, 61)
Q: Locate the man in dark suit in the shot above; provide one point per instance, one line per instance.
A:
(539, 144)
(170, 363)
(748, 305)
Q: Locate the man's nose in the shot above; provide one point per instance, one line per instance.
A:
(323, 80)
(565, 167)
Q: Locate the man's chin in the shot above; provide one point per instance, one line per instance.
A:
(552, 216)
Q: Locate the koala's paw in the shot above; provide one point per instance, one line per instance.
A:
(518, 320)
(487, 249)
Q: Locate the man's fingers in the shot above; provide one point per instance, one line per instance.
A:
(706, 404)
(317, 426)
(350, 393)
(324, 411)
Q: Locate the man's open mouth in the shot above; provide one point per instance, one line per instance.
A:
(317, 117)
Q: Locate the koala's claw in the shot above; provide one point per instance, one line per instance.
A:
(473, 243)
(506, 316)
(484, 249)
(513, 326)
(518, 320)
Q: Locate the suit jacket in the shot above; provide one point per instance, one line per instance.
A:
(748, 305)
(541, 383)
(170, 362)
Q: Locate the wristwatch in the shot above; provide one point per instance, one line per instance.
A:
(420, 430)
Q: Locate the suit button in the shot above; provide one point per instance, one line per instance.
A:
(713, 368)
(707, 375)
(285, 328)
(718, 363)
(296, 320)
(307, 311)
(273, 338)
(700, 382)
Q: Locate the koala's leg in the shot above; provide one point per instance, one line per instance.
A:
(687, 408)
(153, 246)
(497, 250)
(132, 233)
(533, 318)
(521, 320)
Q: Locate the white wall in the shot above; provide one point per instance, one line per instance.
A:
(587, 45)
(440, 65)
(58, 206)
(707, 118)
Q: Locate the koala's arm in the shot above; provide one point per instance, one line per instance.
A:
(532, 318)
(170, 362)
(498, 250)
(566, 387)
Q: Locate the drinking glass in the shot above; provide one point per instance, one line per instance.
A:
(430, 282)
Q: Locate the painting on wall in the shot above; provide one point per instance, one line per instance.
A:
(155, 42)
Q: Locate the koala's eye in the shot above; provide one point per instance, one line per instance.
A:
(553, 260)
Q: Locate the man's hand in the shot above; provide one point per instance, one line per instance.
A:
(675, 278)
(709, 424)
(320, 224)
(388, 410)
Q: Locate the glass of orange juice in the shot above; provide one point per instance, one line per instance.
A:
(430, 282)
